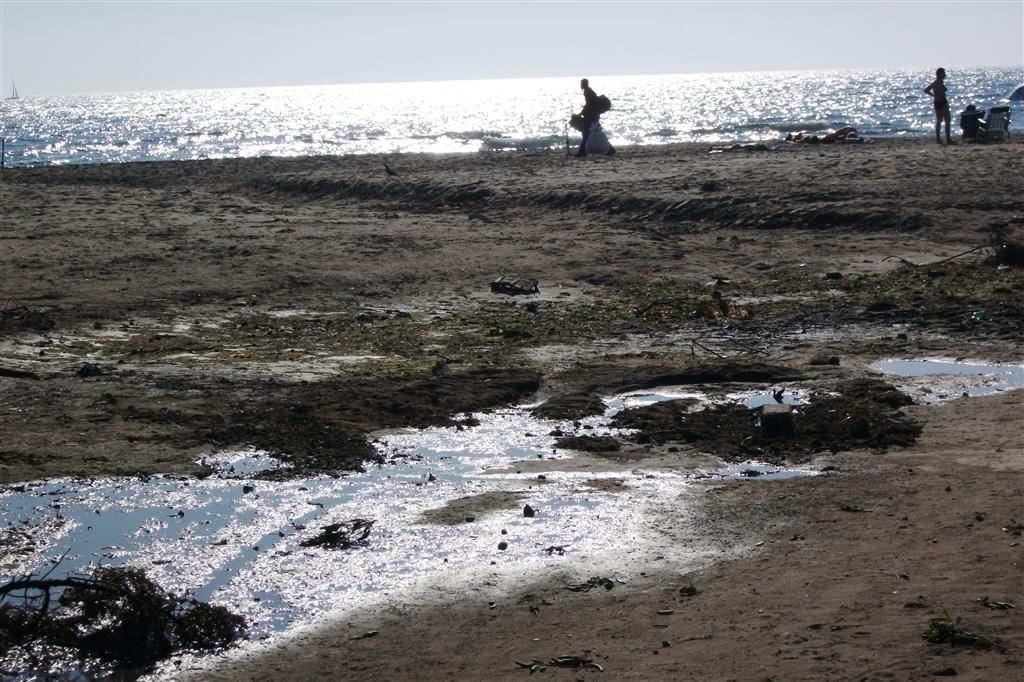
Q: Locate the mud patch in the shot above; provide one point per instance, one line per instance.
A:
(322, 428)
(570, 406)
(589, 443)
(468, 509)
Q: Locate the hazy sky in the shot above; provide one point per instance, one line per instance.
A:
(68, 47)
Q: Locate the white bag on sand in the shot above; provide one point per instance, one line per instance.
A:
(597, 142)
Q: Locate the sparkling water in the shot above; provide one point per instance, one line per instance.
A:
(468, 116)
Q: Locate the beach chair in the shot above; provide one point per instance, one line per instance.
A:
(997, 124)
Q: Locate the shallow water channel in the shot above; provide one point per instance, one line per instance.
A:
(234, 540)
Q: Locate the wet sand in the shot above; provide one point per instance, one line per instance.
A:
(300, 304)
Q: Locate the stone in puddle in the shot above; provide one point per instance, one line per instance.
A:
(777, 420)
(528, 512)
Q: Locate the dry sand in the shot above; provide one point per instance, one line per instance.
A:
(174, 280)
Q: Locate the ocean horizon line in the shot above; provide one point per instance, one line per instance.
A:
(510, 79)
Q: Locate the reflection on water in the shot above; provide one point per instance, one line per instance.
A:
(469, 116)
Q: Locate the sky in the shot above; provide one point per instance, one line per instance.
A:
(51, 48)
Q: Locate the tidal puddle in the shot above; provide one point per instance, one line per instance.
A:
(933, 381)
(235, 540)
(761, 471)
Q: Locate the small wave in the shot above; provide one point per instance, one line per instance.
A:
(792, 126)
(472, 134)
(523, 143)
(664, 132)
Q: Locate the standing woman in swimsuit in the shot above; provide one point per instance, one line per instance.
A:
(938, 92)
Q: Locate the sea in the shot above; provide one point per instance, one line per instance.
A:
(472, 116)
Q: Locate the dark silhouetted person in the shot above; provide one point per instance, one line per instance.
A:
(971, 124)
(590, 114)
(937, 90)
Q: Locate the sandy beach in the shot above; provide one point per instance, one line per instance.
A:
(151, 313)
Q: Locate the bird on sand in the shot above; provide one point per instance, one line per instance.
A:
(389, 170)
(778, 395)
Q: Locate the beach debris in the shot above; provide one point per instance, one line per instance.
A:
(89, 370)
(343, 535)
(529, 512)
(556, 549)
(777, 420)
(718, 308)
(1013, 528)
(17, 374)
(115, 615)
(948, 631)
(523, 286)
(946, 672)
(749, 147)
(590, 584)
(666, 612)
(853, 508)
(22, 317)
(689, 590)
(1009, 252)
(574, 662)
(824, 360)
(365, 635)
(476, 215)
(440, 368)
(502, 545)
(996, 605)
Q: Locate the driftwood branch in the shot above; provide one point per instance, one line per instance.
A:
(50, 584)
(937, 262)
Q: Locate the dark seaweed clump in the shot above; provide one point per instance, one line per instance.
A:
(862, 413)
(116, 617)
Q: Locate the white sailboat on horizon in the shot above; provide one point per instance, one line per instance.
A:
(14, 91)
